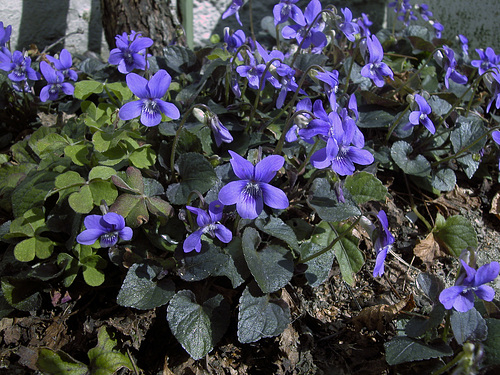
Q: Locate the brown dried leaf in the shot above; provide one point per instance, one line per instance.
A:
(495, 205)
(428, 249)
(377, 317)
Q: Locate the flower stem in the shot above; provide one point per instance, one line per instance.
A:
(332, 244)
(395, 123)
(177, 136)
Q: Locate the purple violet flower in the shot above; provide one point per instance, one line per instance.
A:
(438, 28)
(300, 121)
(55, 83)
(420, 116)
(348, 27)
(234, 9)
(488, 60)
(375, 69)
(465, 43)
(383, 243)
(208, 224)
(18, 66)
(150, 106)
(331, 85)
(449, 64)
(234, 40)
(299, 31)
(210, 119)
(109, 228)
(364, 24)
(129, 54)
(64, 64)
(470, 283)
(253, 190)
(286, 9)
(4, 34)
(343, 142)
(493, 83)
(253, 72)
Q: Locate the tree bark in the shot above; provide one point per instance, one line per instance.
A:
(156, 19)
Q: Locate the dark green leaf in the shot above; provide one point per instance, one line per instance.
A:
(142, 290)
(276, 227)
(401, 154)
(456, 234)
(418, 326)
(196, 174)
(349, 257)
(324, 201)
(375, 119)
(197, 327)
(403, 349)
(261, 317)
(23, 294)
(31, 191)
(365, 187)
(210, 261)
(467, 132)
(468, 325)
(318, 268)
(444, 179)
(272, 267)
(492, 343)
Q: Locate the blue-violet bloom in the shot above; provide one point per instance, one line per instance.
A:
(253, 190)
(488, 60)
(129, 54)
(421, 116)
(150, 106)
(383, 243)
(470, 283)
(299, 31)
(108, 228)
(18, 66)
(4, 34)
(234, 8)
(375, 69)
(286, 9)
(348, 27)
(55, 83)
(64, 64)
(449, 64)
(208, 223)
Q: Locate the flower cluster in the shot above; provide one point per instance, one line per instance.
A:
(130, 52)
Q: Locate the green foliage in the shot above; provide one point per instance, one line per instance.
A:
(197, 327)
(455, 233)
(403, 349)
(104, 359)
(260, 317)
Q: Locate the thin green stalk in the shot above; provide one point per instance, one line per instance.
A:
(423, 65)
(177, 135)
(308, 157)
(414, 207)
(463, 150)
(450, 364)
(111, 97)
(332, 244)
(395, 123)
(250, 12)
(259, 91)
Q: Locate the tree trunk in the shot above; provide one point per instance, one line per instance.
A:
(156, 19)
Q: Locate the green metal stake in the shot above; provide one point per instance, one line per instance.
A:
(187, 21)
